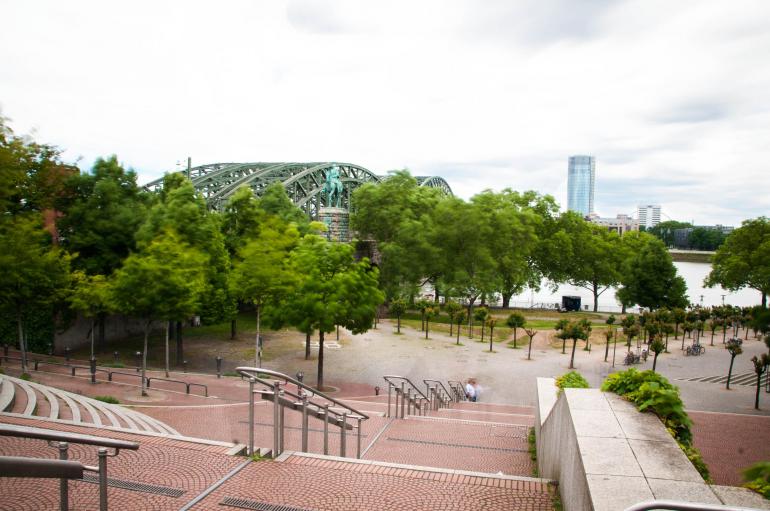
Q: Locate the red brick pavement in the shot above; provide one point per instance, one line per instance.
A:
(730, 442)
(455, 445)
(335, 485)
(191, 467)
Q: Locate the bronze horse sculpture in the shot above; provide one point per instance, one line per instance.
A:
(333, 188)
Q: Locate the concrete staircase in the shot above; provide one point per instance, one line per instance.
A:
(24, 398)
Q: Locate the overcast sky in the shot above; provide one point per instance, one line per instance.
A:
(672, 97)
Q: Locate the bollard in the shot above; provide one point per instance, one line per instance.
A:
(92, 364)
(300, 376)
(358, 440)
(390, 386)
(403, 394)
(377, 390)
(276, 419)
(116, 357)
(50, 349)
(219, 367)
(252, 381)
(138, 358)
(63, 485)
(304, 423)
(184, 366)
(67, 353)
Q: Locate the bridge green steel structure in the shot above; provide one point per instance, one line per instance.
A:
(303, 181)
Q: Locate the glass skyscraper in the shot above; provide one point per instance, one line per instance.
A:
(581, 178)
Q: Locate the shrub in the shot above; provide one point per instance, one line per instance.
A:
(25, 376)
(107, 399)
(571, 380)
(758, 477)
(652, 392)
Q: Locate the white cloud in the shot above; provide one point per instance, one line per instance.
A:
(672, 98)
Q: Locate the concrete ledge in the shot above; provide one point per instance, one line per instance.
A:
(608, 456)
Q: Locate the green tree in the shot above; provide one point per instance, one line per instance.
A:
(162, 281)
(422, 306)
(90, 296)
(575, 330)
(561, 329)
(452, 308)
(760, 367)
(743, 260)
(678, 315)
(656, 346)
(276, 202)
(531, 333)
(516, 320)
(481, 314)
(333, 289)
(650, 278)
(260, 275)
(429, 313)
(398, 308)
(608, 334)
(735, 349)
(460, 319)
(491, 322)
(35, 273)
(665, 231)
(241, 219)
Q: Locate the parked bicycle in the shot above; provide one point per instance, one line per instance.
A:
(694, 350)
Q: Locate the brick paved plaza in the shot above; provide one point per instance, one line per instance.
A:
(469, 456)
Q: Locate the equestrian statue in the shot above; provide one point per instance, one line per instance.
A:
(333, 188)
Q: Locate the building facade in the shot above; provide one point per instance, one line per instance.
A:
(581, 181)
(648, 215)
(621, 224)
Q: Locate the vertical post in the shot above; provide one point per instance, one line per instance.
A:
(219, 367)
(343, 433)
(102, 479)
(63, 485)
(189, 166)
(403, 395)
(304, 422)
(326, 429)
(116, 356)
(282, 420)
(408, 401)
(66, 353)
(138, 360)
(276, 419)
(5, 352)
(252, 381)
(390, 385)
(395, 407)
(184, 366)
(358, 440)
(92, 364)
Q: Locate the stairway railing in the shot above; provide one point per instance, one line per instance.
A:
(276, 387)
(458, 390)
(439, 395)
(670, 505)
(410, 396)
(63, 470)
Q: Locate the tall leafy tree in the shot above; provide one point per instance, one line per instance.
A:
(90, 296)
(162, 281)
(398, 308)
(333, 289)
(35, 274)
(734, 348)
(261, 275)
(650, 278)
(276, 202)
(743, 260)
(516, 320)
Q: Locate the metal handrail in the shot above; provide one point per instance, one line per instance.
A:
(407, 380)
(302, 399)
(670, 505)
(17, 466)
(252, 372)
(61, 441)
(459, 389)
(448, 395)
(57, 436)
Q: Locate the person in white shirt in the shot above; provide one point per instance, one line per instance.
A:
(470, 391)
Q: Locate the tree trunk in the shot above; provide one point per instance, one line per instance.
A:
(564, 346)
(427, 326)
(168, 331)
(233, 328)
(102, 338)
(307, 345)
(596, 298)
(676, 331)
(451, 326)
(458, 333)
(491, 339)
(482, 331)
(144, 357)
(507, 300)
(764, 300)
(398, 323)
(654, 362)
(572, 358)
(607, 349)
(529, 349)
(257, 356)
(730, 371)
(179, 343)
(756, 398)
(320, 381)
(22, 343)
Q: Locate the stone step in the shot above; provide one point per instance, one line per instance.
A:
(7, 394)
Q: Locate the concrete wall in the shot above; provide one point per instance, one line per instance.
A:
(116, 328)
(607, 456)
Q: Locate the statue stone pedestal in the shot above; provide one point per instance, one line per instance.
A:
(337, 221)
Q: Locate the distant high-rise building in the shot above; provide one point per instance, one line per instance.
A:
(581, 179)
(648, 215)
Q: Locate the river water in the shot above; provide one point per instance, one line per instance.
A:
(693, 274)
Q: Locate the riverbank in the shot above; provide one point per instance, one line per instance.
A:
(690, 256)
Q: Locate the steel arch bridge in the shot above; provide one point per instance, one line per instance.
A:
(303, 181)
